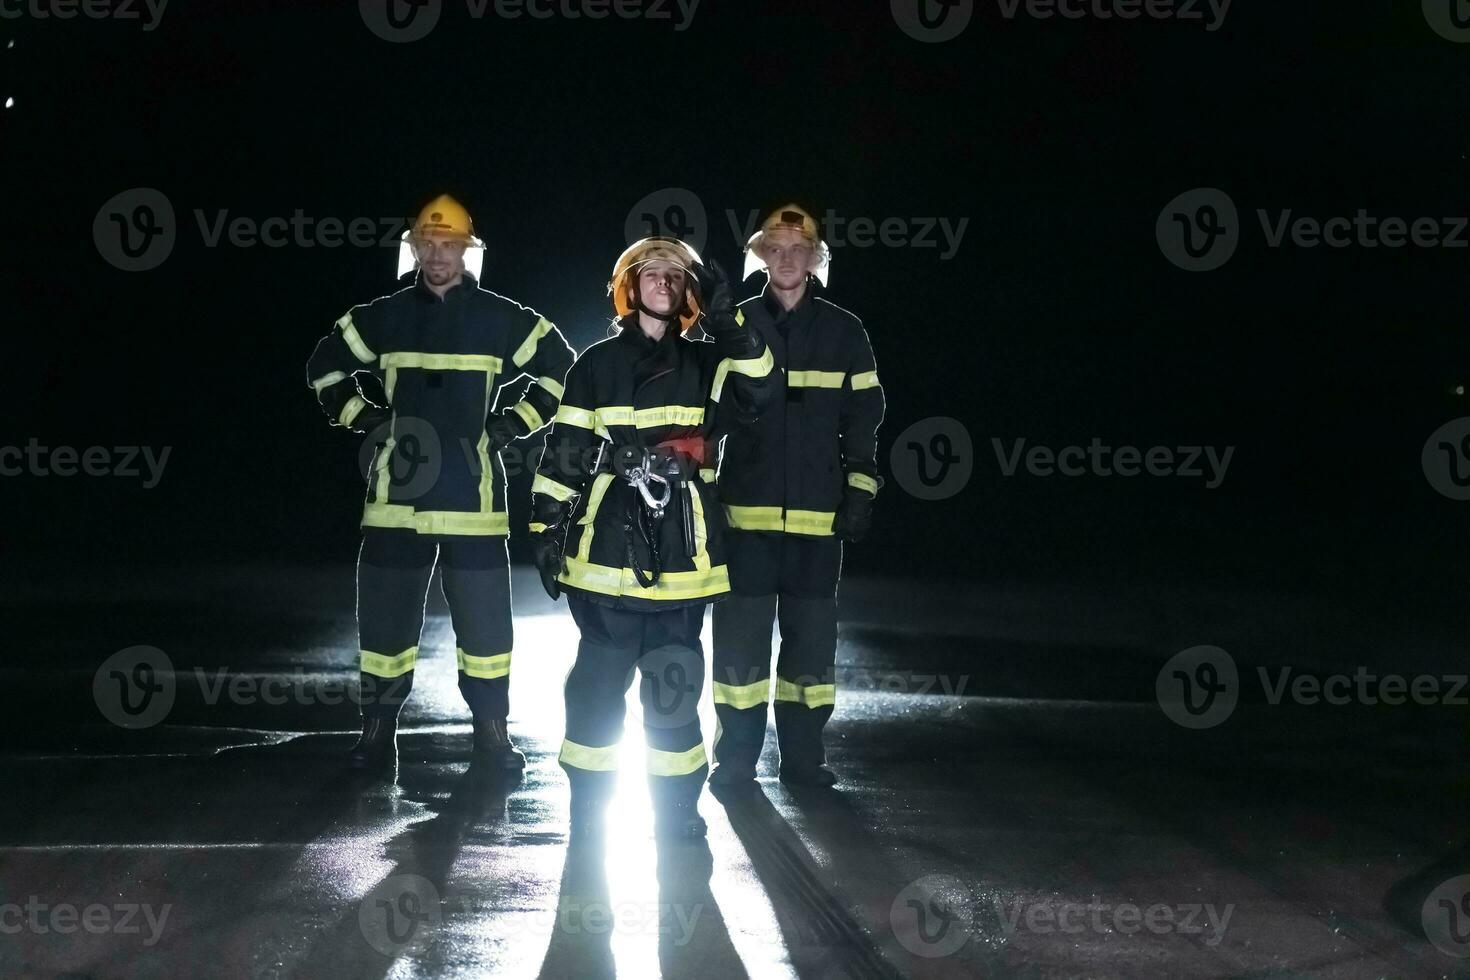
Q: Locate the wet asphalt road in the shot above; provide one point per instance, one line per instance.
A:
(1014, 801)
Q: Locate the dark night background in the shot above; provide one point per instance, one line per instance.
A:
(1057, 320)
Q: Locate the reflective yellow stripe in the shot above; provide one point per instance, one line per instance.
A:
(580, 417)
(615, 415)
(754, 518)
(751, 367)
(662, 763)
(863, 482)
(811, 695)
(743, 695)
(327, 380)
(483, 667)
(708, 476)
(548, 486)
(648, 418)
(867, 379)
(435, 521)
(589, 519)
(607, 580)
(482, 452)
(815, 379)
(360, 350)
(701, 532)
(553, 386)
(529, 415)
(382, 665)
(809, 521)
(739, 316)
(440, 362)
(351, 410)
(812, 522)
(527, 350)
(536, 527)
(598, 759)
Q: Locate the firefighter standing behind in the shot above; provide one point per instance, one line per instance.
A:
(625, 524)
(795, 485)
(441, 348)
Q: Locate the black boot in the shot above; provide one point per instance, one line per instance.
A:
(378, 746)
(678, 821)
(493, 746)
(732, 775)
(808, 776)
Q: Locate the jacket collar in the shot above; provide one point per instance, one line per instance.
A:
(467, 284)
(799, 313)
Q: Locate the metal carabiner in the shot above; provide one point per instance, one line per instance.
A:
(640, 477)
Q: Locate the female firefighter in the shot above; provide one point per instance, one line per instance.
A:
(624, 523)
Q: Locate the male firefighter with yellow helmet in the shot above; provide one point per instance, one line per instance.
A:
(795, 485)
(441, 349)
(625, 524)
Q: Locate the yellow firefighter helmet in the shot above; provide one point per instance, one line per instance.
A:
(796, 218)
(640, 253)
(443, 217)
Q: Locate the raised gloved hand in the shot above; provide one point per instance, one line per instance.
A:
(502, 431)
(854, 515)
(548, 547)
(714, 290)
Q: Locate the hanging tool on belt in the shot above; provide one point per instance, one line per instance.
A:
(657, 474)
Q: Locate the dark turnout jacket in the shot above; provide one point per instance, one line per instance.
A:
(630, 391)
(440, 362)
(786, 472)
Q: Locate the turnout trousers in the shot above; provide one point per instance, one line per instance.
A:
(791, 580)
(393, 572)
(663, 648)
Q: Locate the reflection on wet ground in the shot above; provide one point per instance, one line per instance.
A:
(1013, 801)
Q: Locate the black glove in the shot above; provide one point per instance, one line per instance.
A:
(715, 297)
(502, 431)
(548, 547)
(370, 418)
(854, 515)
